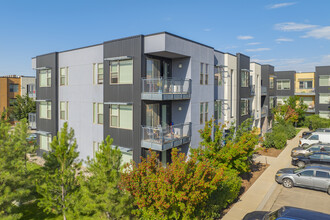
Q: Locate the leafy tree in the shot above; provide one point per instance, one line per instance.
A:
(179, 191)
(15, 184)
(100, 195)
(314, 122)
(22, 107)
(292, 111)
(59, 187)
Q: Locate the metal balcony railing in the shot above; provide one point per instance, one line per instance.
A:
(263, 90)
(304, 91)
(165, 89)
(163, 138)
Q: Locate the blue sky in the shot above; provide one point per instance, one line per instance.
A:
(291, 35)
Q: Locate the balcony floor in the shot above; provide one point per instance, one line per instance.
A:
(169, 142)
(164, 96)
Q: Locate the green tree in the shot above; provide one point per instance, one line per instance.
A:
(181, 190)
(100, 195)
(15, 184)
(22, 107)
(59, 187)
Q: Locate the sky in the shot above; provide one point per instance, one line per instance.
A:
(289, 34)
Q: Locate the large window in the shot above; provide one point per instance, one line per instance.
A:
(44, 141)
(324, 114)
(244, 78)
(217, 110)
(206, 74)
(64, 76)
(271, 83)
(121, 116)
(98, 73)
(121, 72)
(283, 84)
(306, 84)
(324, 80)
(98, 113)
(218, 75)
(13, 87)
(201, 112)
(45, 77)
(64, 107)
(244, 107)
(206, 110)
(324, 98)
(271, 102)
(45, 110)
(201, 79)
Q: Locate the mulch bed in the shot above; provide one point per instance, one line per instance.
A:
(247, 181)
(272, 152)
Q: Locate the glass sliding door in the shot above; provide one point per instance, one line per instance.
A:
(153, 68)
(152, 115)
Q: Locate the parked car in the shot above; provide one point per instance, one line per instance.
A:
(309, 149)
(312, 176)
(318, 158)
(287, 212)
(322, 130)
(315, 137)
(306, 133)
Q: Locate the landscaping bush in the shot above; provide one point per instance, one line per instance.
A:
(275, 140)
(314, 122)
(287, 128)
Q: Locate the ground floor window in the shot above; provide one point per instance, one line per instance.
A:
(324, 114)
(44, 142)
(244, 107)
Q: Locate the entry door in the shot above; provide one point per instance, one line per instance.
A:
(152, 115)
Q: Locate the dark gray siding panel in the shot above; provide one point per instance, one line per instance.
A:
(243, 62)
(321, 70)
(286, 75)
(132, 47)
(48, 93)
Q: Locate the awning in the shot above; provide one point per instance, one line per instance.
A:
(118, 58)
(43, 68)
(43, 132)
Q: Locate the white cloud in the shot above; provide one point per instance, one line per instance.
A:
(281, 5)
(292, 26)
(319, 33)
(244, 37)
(262, 61)
(279, 40)
(257, 49)
(207, 29)
(254, 43)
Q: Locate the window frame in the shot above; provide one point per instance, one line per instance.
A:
(48, 139)
(206, 111)
(111, 115)
(245, 83)
(201, 76)
(217, 109)
(66, 112)
(327, 76)
(201, 112)
(271, 82)
(98, 77)
(206, 74)
(246, 109)
(326, 95)
(303, 83)
(64, 77)
(118, 72)
(48, 73)
(282, 80)
(48, 110)
(13, 87)
(97, 114)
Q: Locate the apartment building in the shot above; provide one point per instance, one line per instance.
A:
(255, 77)
(322, 91)
(11, 86)
(305, 88)
(147, 92)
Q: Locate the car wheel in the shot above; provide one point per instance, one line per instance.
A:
(287, 183)
(301, 164)
(328, 190)
(304, 145)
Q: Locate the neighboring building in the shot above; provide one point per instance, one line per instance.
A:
(147, 92)
(305, 88)
(322, 91)
(256, 91)
(284, 85)
(11, 86)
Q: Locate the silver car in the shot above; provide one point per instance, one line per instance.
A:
(319, 147)
(312, 176)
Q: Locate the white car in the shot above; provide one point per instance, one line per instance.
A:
(315, 137)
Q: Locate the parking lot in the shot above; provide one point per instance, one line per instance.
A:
(298, 197)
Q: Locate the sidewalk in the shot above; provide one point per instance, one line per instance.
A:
(258, 194)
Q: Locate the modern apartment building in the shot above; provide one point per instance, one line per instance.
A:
(11, 86)
(147, 92)
(322, 91)
(305, 88)
(255, 77)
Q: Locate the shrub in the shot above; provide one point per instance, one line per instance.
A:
(314, 122)
(287, 128)
(275, 140)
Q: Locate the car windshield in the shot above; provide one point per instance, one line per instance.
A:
(308, 135)
(298, 170)
(274, 215)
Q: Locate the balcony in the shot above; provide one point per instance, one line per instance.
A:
(310, 109)
(253, 90)
(164, 138)
(304, 92)
(263, 90)
(264, 111)
(165, 89)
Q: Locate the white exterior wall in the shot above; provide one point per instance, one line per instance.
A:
(256, 102)
(81, 93)
(230, 90)
(25, 80)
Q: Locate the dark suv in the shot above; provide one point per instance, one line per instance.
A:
(318, 158)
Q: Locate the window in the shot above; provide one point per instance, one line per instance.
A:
(13, 87)
(201, 80)
(121, 116)
(271, 83)
(244, 78)
(217, 110)
(324, 114)
(314, 137)
(12, 101)
(325, 80)
(45, 110)
(121, 72)
(64, 76)
(206, 110)
(283, 84)
(97, 113)
(31, 90)
(218, 75)
(306, 84)
(307, 173)
(244, 107)
(98, 73)
(45, 78)
(281, 100)
(206, 74)
(271, 102)
(64, 110)
(96, 148)
(324, 98)
(45, 141)
(322, 174)
(201, 112)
